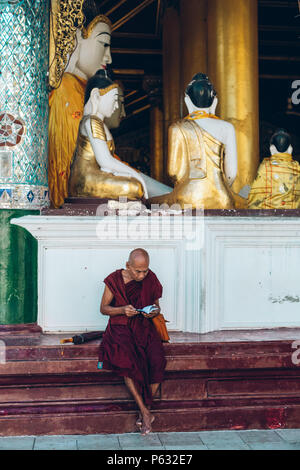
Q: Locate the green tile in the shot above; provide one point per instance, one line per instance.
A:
(134, 447)
(259, 436)
(290, 435)
(98, 442)
(275, 446)
(222, 440)
(180, 439)
(137, 441)
(186, 447)
(17, 443)
(55, 443)
(228, 446)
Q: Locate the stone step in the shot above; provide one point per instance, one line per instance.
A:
(120, 417)
(50, 388)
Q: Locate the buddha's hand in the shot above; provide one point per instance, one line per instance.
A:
(130, 311)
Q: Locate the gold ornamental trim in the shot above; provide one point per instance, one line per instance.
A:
(66, 17)
(86, 32)
(97, 128)
(103, 91)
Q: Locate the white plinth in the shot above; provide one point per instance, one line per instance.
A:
(217, 272)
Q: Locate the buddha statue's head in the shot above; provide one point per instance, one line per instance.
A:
(101, 95)
(200, 94)
(281, 142)
(92, 51)
(115, 119)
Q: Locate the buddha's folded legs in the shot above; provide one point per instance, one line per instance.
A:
(106, 186)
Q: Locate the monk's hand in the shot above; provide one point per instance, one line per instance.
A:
(130, 311)
(153, 314)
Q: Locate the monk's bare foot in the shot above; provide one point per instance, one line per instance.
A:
(139, 421)
(147, 422)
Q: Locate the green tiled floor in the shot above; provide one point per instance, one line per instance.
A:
(281, 439)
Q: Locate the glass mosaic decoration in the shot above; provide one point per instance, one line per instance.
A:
(24, 39)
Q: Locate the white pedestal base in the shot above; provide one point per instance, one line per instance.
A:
(219, 273)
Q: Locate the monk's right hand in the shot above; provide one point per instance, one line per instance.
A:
(130, 311)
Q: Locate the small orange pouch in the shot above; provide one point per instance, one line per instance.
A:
(160, 325)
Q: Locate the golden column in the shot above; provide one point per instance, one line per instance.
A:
(193, 18)
(171, 72)
(233, 69)
(153, 86)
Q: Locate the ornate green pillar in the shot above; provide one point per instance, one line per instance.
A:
(24, 44)
(18, 271)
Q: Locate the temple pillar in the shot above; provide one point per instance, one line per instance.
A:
(24, 40)
(18, 270)
(233, 69)
(193, 18)
(171, 71)
(153, 86)
(24, 27)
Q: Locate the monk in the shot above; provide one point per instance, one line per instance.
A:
(131, 346)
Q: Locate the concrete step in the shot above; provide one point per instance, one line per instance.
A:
(49, 388)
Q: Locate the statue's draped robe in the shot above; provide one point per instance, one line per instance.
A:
(66, 110)
(131, 347)
(86, 177)
(196, 164)
(277, 184)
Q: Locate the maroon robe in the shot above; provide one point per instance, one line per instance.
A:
(131, 346)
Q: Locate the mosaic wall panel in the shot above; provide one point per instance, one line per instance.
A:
(24, 39)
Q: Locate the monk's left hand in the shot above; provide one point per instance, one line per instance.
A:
(153, 314)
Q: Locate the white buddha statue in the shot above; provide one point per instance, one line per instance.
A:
(154, 187)
(92, 52)
(95, 172)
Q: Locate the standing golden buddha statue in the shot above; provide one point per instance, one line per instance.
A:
(91, 52)
(202, 154)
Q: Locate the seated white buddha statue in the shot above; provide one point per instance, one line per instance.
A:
(95, 172)
(154, 187)
(202, 153)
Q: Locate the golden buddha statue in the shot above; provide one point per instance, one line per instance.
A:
(202, 154)
(91, 52)
(95, 172)
(277, 184)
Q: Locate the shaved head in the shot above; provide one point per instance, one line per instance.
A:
(138, 264)
(139, 254)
